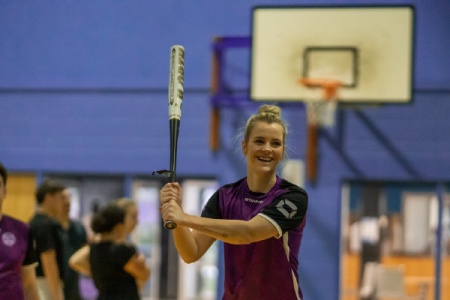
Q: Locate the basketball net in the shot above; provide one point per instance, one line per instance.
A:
(319, 113)
(322, 112)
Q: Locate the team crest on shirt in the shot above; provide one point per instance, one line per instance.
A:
(287, 208)
(8, 239)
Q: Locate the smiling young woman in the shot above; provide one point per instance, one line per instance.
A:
(264, 147)
(260, 218)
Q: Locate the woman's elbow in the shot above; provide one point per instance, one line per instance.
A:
(73, 264)
(189, 259)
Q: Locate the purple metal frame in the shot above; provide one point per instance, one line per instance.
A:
(222, 97)
(221, 44)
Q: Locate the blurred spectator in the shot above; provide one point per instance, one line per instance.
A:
(87, 219)
(74, 239)
(114, 265)
(131, 215)
(49, 238)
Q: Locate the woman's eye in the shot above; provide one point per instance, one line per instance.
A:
(277, 144)
(258, 141)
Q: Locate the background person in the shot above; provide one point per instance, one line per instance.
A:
(131, 221)
(49, 239)
(260, 218)
(17, 254)
(74, 238)
(131, 216)
(86, 220)
(115, 266)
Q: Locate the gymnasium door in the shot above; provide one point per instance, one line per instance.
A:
(390, 241)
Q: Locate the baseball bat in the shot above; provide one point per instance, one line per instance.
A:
(176, 89)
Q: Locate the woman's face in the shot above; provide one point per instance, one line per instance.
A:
(131, 219)
(265, 147)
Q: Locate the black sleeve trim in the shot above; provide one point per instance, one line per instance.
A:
(212, 207)
(288, 210)
(30, 255)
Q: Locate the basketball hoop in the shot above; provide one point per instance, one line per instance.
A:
(319, 113)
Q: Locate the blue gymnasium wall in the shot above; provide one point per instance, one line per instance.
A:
(82, 89)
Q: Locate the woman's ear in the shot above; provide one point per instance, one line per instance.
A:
(119, 227)
(244, 148)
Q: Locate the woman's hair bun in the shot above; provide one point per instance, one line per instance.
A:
(270, 110)
(107, 218)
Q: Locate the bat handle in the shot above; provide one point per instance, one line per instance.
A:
(169, 225)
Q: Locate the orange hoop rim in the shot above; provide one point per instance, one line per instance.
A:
(329, 86)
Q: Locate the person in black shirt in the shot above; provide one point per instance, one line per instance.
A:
(114, 266)
(74, 238)
(48, 236)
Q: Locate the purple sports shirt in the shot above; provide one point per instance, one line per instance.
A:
(16, 250)
(264, 270)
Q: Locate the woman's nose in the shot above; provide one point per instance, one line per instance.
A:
(266, 148)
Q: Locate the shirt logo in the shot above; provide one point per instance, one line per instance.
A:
(8, 239)
(253, 201)
(287, 208)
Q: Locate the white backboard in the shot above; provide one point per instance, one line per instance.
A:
(370, 49)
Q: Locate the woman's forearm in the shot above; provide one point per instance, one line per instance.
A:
(207, 230)
(186, 244)
(79, 261)
(228, 231)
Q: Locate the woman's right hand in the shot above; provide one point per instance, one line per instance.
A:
(171, 191)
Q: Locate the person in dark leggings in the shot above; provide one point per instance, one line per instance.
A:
(115, 266)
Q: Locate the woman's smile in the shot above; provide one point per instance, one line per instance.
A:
(265, 147)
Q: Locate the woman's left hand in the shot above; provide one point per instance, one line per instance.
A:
(172, 211)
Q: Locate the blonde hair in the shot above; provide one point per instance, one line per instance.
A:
(268, 114)
(125, 203)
